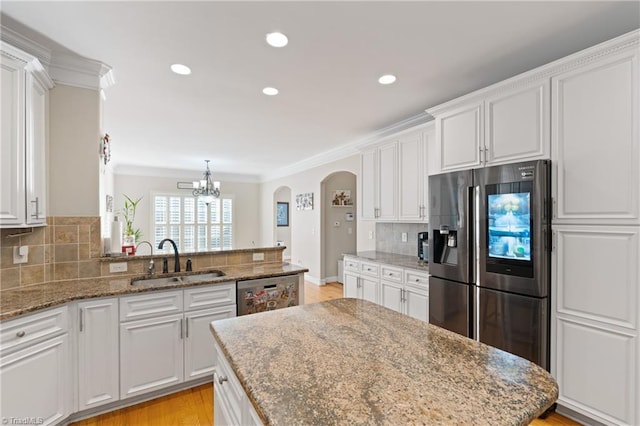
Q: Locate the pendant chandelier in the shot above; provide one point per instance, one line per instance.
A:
(205, 189)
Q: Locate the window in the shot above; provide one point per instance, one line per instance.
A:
(192, 224)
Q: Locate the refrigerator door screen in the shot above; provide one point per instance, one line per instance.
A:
(509, 227)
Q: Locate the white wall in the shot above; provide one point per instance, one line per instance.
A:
(245, 205)
(306, 224)
(74, 140)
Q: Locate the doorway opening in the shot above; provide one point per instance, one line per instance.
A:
(282, 220)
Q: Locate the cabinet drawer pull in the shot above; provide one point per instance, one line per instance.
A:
(222, 379)
(417, 280)
(21, 333)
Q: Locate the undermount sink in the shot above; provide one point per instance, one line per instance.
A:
(185, 279)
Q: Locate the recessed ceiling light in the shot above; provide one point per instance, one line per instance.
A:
(181, 69)
(270, 91)
(387, 79)
(277, 39)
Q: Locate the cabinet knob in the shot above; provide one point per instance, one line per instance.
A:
(21, 334)
(222, 379)
(417, 280)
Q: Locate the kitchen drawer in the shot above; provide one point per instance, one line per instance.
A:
(351, 264)
(416, 278)
(391, 273)
(20, 332)
(226, 379)
(150, 304)
(367, 268)
(210, 296)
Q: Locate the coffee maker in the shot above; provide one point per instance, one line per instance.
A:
(423, 246)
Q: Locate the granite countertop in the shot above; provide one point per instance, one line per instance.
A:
(401, 260)
(28, 299)
(349, 361)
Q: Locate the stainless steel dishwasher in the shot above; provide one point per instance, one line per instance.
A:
(267, 294)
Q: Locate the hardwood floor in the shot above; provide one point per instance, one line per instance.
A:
(195, 406)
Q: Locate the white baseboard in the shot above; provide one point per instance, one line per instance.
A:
(312, 279)
(330, 279)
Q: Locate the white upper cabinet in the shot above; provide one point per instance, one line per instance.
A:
(368, 184)
(596, 147)
(394, 177)
(388, 181)
(517, 124)
(24, 85)
(459, 137)
(506, 123)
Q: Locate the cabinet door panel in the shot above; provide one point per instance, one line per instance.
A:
(410, 168)
(388, 182)
(12, 143)
(43, 368)
(369, 289)
(596, 273)
(596, 146)
(459, 134)
(368, 184)
(517, 125)
(98, 352)
(350, 285)
(151, 354)
(36, 199)
(595, 371)
(417, 303)
(391, 296)
(199, 352)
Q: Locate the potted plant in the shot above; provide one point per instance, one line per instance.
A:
(129, 213)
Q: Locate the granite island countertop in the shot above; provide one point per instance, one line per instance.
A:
(401, 260)
(23, 300)
(349, 361)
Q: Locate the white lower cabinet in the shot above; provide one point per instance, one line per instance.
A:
(98, 353)
(170, 344)
(595, 323)
(404, 296)
(151, 354)
(34, 377)
(231, 405)
(404, 290)
(198, 350)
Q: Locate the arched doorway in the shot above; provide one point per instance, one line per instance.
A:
(282, 219)
(338, 222)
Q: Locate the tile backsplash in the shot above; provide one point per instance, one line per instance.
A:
(71, 247)
(389, 237)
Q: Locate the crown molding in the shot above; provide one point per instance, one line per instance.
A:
(65, 68)
(348, 149)
(74, 70)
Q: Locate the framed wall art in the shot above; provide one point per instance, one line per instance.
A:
(282, 214)
(304, 201)
(341, 198)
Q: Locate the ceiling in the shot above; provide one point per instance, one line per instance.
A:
(327, 75)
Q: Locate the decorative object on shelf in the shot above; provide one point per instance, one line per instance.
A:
(282, 214)
(304, 201)
(105, 148)
(129, 215)
(205, 188)
(341, 198)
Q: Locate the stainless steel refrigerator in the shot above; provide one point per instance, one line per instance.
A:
(489, 255)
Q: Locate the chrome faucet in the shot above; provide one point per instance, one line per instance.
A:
(176, 267)
(151, 269)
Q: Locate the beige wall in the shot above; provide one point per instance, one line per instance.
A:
(306, 224)
(245, 205)
(337, 239)
(74, 140)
